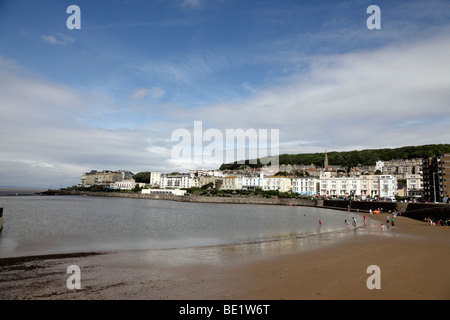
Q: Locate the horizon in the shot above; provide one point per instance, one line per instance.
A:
(112, 93)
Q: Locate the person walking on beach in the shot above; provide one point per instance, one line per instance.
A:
(392, 221)
(354, 222)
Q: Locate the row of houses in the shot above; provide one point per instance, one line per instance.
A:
(429, 181)
(325, 185)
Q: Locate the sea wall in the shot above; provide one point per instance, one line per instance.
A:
(203, 199)
(413, 210)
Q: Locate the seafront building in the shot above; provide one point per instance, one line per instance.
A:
(364, 186)
(126, 184)
(307, 186)
(175, 192)
(277, 183)
(231, 183)
(180, 181)
(253, 182)
(103, 178)
(436, 177)
(386, 179)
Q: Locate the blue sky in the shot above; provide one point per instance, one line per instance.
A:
(108, 96)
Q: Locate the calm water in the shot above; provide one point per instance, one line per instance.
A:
(42, 225)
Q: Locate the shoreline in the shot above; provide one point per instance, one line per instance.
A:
(417, 211)
(413, 266)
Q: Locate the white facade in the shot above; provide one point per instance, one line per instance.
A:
(379, 166)
(206, 172)
(305, 185)
(176, 181)
(364, 186)
(251, 183)
(414, 184)
(124, 185)
(388, 186)
(231, 183)
(155, 179)
(278, 183)
(175, 192)
(333, 186)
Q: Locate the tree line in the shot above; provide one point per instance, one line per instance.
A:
(351, 158)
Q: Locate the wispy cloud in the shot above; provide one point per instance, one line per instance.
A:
(57, 39)
(192, 4)
(154, 92)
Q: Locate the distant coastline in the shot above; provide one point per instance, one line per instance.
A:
(11, 191)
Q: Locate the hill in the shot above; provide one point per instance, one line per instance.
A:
(353, 158)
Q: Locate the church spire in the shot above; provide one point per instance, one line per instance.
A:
(325, 162)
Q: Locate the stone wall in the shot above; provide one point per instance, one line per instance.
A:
(413, 210)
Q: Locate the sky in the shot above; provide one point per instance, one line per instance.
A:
(111, 94)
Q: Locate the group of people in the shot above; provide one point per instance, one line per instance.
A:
(353, 222)
(440, 222)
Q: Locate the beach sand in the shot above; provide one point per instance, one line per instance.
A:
(413, 258)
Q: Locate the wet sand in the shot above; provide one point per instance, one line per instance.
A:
(414, 260)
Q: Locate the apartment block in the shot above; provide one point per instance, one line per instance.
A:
(231, 183)
(277, 183)
(253, 182)
(308, 186)
(436, 177)
(103, 178)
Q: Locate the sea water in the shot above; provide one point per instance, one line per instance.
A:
(38, 225)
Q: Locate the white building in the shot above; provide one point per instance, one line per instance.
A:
(379, 166)
(414, 185)
(308, 186)
(231, 183)
(155, 179)
(359, 186)
(252, 183)
(175, 192)
(127, 184)
(388, 186)
(333, 186)
(205, 172)
(176, 181)
(278, 183)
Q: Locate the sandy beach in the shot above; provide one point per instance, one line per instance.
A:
(413, 259)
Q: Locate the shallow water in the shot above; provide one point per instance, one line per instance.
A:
(36, 225)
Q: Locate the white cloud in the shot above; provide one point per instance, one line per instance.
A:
(365, 99)
(390, 97)
(154, 92)
(57, 38)
(192, 4)
(140, 93)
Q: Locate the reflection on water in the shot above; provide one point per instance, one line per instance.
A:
(45, 225)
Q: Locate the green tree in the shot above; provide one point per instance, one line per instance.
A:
(142, 177)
